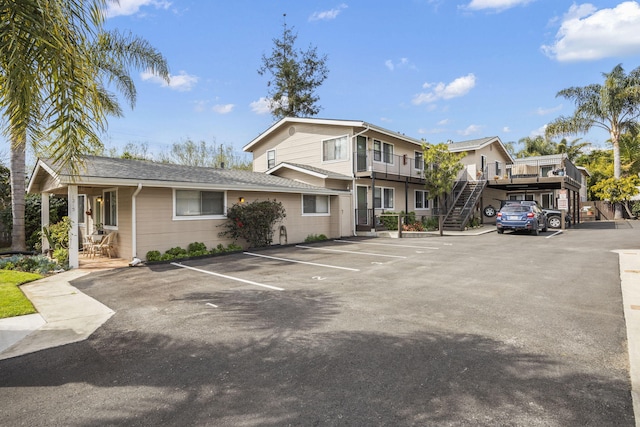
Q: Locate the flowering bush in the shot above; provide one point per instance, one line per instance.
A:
(253, 222)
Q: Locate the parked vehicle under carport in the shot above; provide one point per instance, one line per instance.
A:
(528, 217)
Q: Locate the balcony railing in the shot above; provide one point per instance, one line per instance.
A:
(544, 168)
(390, 164)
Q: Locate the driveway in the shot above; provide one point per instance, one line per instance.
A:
(455, 331)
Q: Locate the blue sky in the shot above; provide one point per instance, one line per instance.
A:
(434, 69)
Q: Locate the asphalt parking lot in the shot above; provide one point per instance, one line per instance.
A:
(480, 330)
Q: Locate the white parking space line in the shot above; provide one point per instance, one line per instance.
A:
(385, 244)
(554, 234)
(349, 252)
(249, 282)
(302, 262)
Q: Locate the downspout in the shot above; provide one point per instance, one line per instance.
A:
(134, 231)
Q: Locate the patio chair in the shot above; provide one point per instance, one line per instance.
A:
(106, 245)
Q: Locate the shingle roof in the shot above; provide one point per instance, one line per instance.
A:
(328, 174)
(106, 170)
(470, 144)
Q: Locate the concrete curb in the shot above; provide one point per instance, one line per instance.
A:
(629, 282)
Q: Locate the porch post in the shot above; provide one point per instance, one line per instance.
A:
(44, 219)
(72, 212)
(373, 201)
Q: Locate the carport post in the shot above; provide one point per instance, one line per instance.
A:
(72, 195)
(44, 219)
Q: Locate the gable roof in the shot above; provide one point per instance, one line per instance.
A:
(477, 144)
(310, 170)
(359, 125)
(107, 171)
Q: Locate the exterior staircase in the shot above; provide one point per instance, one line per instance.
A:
(460, 213)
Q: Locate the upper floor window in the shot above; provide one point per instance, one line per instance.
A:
(192, 203)
(110, 203)
(419, 160)
(335, 149)
(271, 159)
(382, 152)
(315, 205)
(498, 169)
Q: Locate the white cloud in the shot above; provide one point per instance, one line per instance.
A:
(200, 106)
(590, 34)
(497, 5)
(443, 122)
(459, 87)
(401, 63)
(223, 108)
(538, 132)
(328, 15)
(261, 106)
(470, 130)
(132, 7)
(183, 82)
(506, 129)
(545, 111)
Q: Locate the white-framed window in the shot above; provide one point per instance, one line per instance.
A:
(335, 149)
(110, 206)
(498, 169)
(271, 159)
(199, 204)
(422, 199)
(419, 160)
(315, 205)
(383, 198)
(382, 152)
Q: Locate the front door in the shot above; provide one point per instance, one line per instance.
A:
(363, 218)
(361, 154)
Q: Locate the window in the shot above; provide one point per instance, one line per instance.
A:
(383, 198)
(193, 203)
(498, 169)
(419, 160)
(315, 205)
(382, 152)
(110, 203)
(271, 158)
(422, 199)
(335, 149)
(82, 208)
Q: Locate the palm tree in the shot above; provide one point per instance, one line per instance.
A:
(537, 146)
(56, 64)
(613, 106)
(630, 153)
(572, 149)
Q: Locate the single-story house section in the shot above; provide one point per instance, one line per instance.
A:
(157, 206)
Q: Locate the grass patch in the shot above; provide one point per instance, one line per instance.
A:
(12, 300)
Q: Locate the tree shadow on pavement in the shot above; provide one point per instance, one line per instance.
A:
(341, 378)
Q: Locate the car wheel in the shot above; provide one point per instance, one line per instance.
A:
(555, 222)
(489, 211)
(535, 230)
(544, 227)
(500, 230)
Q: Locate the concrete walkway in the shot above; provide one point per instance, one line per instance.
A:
(65, 315)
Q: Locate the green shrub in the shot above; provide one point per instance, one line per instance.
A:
(196, 247)
(253, 222)
(175, 252)
(154, 256)
(232, 247)
(315, 238)
(430, 223)
(635, 209)
(61, 255)
(39, 264)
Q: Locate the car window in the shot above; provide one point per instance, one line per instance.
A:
(515, 208)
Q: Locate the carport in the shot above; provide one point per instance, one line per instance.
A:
(545, 173)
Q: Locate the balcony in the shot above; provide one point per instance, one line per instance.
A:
(385, 165)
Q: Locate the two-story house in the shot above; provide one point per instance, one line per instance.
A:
(382, 169)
